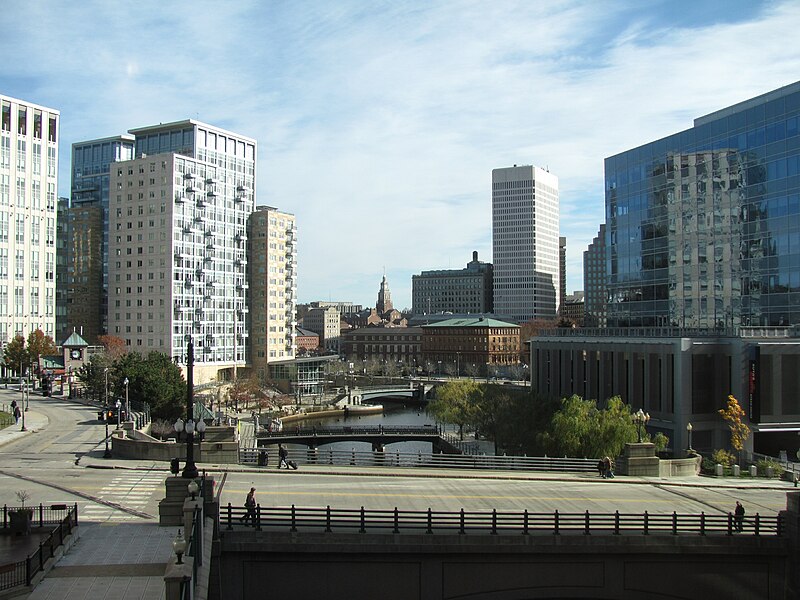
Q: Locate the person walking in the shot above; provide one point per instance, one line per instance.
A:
(250, 505)
(17, 414)
(282, 456)
(738, 517)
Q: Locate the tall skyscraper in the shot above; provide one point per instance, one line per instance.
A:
(703, 224)
(272, 267)
(28, 178)
(525, 242)
(82, 294)
(594, 281)
(178, 244)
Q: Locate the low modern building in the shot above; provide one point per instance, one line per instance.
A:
(470, 345)
(468, 290)
(680, 377)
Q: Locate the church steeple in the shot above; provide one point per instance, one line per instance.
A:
(384, 298)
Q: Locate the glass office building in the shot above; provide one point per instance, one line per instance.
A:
(703, 226)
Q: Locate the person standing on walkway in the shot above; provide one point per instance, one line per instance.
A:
(250, 505)
(738, 517)
(601, 467)
(282, 456)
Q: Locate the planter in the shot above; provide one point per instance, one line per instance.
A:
(21, 521)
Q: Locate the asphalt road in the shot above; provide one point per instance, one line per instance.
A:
(52, 462)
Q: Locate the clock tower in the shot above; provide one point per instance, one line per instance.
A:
(74, 349)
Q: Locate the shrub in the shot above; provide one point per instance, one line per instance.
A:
(763, 464)
(723, 457)
(161, 429)
(708, 466)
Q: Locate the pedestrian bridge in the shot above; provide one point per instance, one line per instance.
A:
(379, 436)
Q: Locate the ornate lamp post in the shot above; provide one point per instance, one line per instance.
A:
(107, 453)
(640, 418)
(125, 382)
(689, 433)
(190, 470)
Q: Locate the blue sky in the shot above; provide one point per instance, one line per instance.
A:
(379, 123)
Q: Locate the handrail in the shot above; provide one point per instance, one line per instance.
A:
(329, 456)
(22, 572)
(361, 520)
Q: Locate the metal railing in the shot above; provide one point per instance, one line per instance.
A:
(22, 572)
(41, 515)
(345, 430)
(494, 522)
(387, 458)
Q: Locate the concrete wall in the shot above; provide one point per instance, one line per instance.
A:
(484, 567)
(141, 449)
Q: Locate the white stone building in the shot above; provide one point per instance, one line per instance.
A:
(28, 179)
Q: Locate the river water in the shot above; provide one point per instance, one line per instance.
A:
(393, 415)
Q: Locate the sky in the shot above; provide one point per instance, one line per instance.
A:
(378, 123)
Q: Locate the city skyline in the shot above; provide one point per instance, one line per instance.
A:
(398, 113)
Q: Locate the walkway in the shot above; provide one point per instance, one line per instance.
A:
(107, 561)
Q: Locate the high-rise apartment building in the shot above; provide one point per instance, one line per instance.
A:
(272, 267)
(178, 216)
(702, 225)
(525, 242)
(468, 290)
(82, 294)
(562, 270)
(28, 179)
(594, 281)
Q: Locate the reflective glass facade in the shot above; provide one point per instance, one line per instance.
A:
(703, 227)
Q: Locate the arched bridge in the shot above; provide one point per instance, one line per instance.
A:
(379, 436)
(415, 393)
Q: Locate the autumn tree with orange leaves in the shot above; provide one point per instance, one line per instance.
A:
(733, 415)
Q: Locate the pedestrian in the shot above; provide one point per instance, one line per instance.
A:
(282, 456)
(250, 505)
(609, 468)
(739, 517)
(17, 414)
(601, 467)
(13, 405)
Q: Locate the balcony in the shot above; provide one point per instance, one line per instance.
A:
(211, 181)
(242, 285)
(180, 198)
(238, 198)
(211, 194)
(240, 261)
(189, 175)
(240, 237)
(191, 189)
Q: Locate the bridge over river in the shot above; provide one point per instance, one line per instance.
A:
(379, 436)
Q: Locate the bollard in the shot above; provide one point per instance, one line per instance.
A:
(719, 470)
(736, 470)
(753, 471)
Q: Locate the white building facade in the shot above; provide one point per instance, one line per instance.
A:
(28, 178)
(178, 244)
(525, 242)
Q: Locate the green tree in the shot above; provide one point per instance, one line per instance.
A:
(456, 402)
(580, 428)
(92, 374)
(154, 379)
(15, 354)
(39, 345)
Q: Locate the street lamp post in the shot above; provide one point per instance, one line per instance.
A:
(190, 470)
(107, 453)
(22, 403)
(689, 433)
(125, 382)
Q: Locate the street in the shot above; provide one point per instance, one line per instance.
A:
(61, 460)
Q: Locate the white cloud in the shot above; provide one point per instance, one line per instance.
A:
(379, 124)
